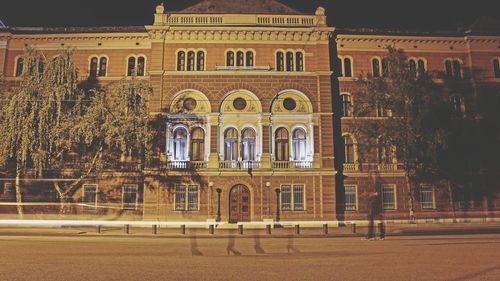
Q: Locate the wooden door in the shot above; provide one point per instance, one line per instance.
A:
(239, 204)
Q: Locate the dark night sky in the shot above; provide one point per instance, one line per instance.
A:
(417, 14)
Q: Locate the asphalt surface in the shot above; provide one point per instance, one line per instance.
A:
(450, 257)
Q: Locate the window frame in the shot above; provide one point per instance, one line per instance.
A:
(98, 68)
(427, 188)
(136, 65)
(127, 206)
(343, 67)
(186, 145)
(349, 110)
(453, 61)
(496, 67)
(394, 195)
(354, 154)
(185, 192)
(186, 66)
(16, 66)
(96, 192)
(355, 193)
(292, 197)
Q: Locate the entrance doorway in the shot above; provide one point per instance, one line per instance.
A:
(239, 204)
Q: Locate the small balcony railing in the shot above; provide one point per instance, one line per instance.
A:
(234, 164)
(186, 165)
(292, 164)
(242, 68)
(387, 167)
(351, 167)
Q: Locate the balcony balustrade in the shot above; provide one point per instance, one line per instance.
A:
(292, 164)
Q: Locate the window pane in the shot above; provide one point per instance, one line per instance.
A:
(248, 144)
(421, 67)
(350, 198)
(385, 67)
(180, 141)
(250, 61)
(413, 68)
(289, 61)
(141, 65)
(181, 61)
(376, 68)
(103, 64)
(190, 61)
(347, 67)
(298, 197)
(286, 198)
(230, 144)
(131, 66)
(281, 139)
(130, 197)
(230, 58)
(193, 198)
(90, 194)
(180, 197)
(448, 68)
(19, 67)
(200, 61)
(427, 198)
(496, 67)
(280, 61)
(299, 56)
(299, 144)
(457, 69)
(240, 58)
(388, 197)
(93, 67)
(197, 144)
(349, 150)
(346, 105)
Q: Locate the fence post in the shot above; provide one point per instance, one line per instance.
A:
(183, 229)
(268, 229)
(381, 230)
(353, 228)
(98, 229)
(325, 228)
(211, 229)
(240, 229)
(297, 229)
(155, 229)
(127, 229)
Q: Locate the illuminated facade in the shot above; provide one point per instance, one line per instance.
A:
(248, 96)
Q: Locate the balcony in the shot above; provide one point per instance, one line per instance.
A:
(186, 165)
(351, 167)
(234, 164)
(292, 165)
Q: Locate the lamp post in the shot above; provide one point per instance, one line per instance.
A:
(219, 191)
(277, 190)
(268, 186)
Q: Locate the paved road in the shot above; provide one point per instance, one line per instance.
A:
(451, 257)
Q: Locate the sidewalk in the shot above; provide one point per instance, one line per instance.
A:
(250, 231)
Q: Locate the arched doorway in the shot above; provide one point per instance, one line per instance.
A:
(239, 204)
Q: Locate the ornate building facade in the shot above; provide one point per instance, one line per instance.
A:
(249, 97)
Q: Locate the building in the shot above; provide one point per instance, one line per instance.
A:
(249, 96)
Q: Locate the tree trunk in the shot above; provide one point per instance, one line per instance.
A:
(410, 197)
(19, 200)
(452, 203)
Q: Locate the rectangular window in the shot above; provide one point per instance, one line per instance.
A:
(286, 198)
(350, 198)
(298, 197)
(130, 197)
(292, 197)
(90, 195)
(186, 197)
(389, 196)
(427, 197)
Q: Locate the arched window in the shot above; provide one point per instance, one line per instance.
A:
(200, 61)
(289, 61)
(248, 144)
(299, 144)
(413, 68)
(249, 58)
(181, 61)
(190, 61)
(281, 145)
(280, 64)
(19, 66)
(240, 58)
(376, 67)
(93, 67)
(197, 144)
(230, 58)
(231, 144)
(453, 68)
(386, 152)
(141, 66)
(346, 105)
(103, 65)
(457, 104)
(382, 111)
(180, 144)
(496, 67)
(299, 61)
(131, 66)
(385, 67)
(421, 67)
(347, 64)
(348, 150)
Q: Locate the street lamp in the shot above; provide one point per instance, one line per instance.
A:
(277, 190)
(268, 185)
(219, 191)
